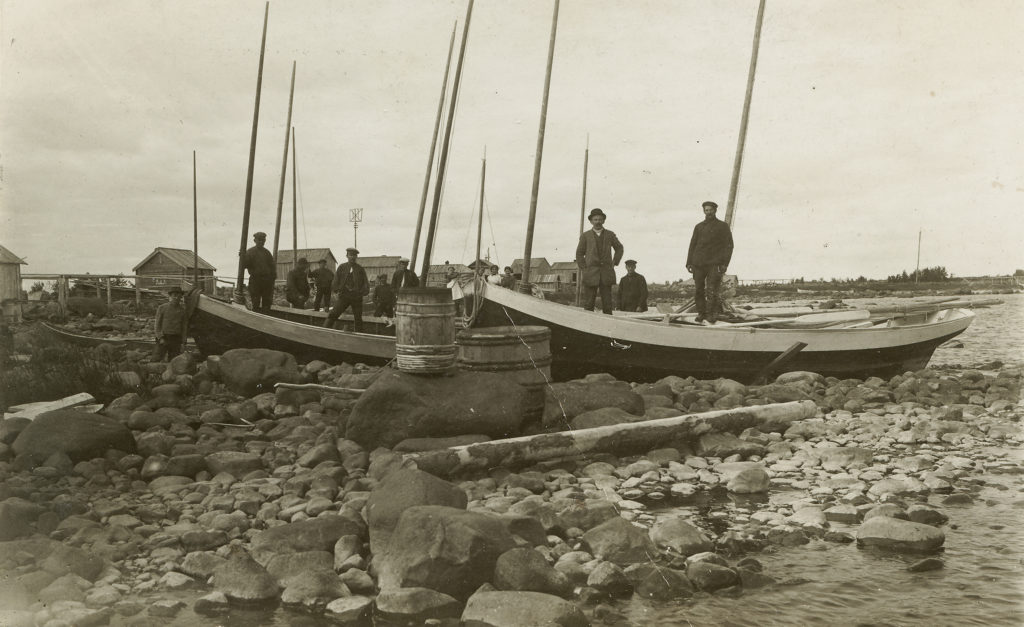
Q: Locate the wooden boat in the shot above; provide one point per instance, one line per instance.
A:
(634, 349)
(89, 341)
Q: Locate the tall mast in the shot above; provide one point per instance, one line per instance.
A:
(239, 294)
(738, 163)
(583, 211)
(917, 272)
(433, 145)
(284, 165)
(442, 165)
(524, 285)
(480, 218)
(295, 202)
(196, 227)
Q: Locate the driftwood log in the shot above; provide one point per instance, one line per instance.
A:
(617, 439)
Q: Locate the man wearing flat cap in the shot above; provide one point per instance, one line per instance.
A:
(403, 276)
(296, 286)
(262, 274)
(708, 259)
(169, 327)
(597, 254)
(350, 285)
(322, 279)
(632, 289)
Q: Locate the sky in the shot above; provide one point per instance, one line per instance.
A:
(870, 121)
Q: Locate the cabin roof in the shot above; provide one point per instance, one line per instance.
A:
(312, 255)
(548, 278)
(379, 260)
(535, 262)
(564, 265)
(6, 256)
(443, 267)
(178, 256)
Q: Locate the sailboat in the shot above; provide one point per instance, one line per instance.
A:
(842, 344)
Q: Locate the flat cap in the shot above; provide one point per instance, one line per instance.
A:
(709, 203)
(351, 250)
(175, 290)
(259, 234)
(403, 260)
(631, 262)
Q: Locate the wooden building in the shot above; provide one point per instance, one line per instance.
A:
(10, 285)
(437, 273)
(567, 273)
(167, 267)
(539, 266)
(376, 266)
(286, 260)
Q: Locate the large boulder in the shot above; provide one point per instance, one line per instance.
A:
(400, 490)
(398, 406)
(899, 535)
(415, 606)
(252, 371)
(515, 608)
(243, 580)
(526, 569)
(315, 534)
(565, 401)
(442, 548)
(620, 541)
(79, 435)
(681, 536)
(18, 517)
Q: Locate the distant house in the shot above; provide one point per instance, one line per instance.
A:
(10, 285)
(376, 266)
(167, 267)
(286, 259)
(436, 274)
(566, 272)
(539, 266)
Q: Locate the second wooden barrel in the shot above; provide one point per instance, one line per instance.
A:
(425, 330)
(521, 352)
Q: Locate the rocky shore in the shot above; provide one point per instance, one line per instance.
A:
(207, 490)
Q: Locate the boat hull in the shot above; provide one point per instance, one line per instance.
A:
(633, 350)
(218, 326)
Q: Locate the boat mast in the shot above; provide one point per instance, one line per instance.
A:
(239, 294)
(284, 165)
(738, 163)
(917, 272)
(433, 145)
(480, 218)
(442, 164)
(295, 202)
(524, 285)
(583, 210)
(196, 227)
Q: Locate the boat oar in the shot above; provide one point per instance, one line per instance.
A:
(830, 317)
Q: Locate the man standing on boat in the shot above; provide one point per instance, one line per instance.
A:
(596, 262)
(708, 259)
(296, 287)
(351, 285)
(169, 327)
(322, 279)
(262, 273)
(632, 289)
(403, 276)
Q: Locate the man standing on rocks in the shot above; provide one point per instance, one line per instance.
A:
(262, 273)
(351, 285)
(296, 288)
(322, 279)
(403, 276)
(169, 327)
(708, 259)
(596, 262)
(632, 289)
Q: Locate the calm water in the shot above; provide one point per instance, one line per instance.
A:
(982, 582)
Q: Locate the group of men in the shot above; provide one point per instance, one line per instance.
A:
(346, 287)
(599, 251)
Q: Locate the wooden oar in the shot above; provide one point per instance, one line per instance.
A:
(830, 317)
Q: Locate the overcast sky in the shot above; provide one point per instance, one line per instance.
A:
(870, 120)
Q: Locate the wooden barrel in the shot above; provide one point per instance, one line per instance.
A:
(520, 352)
(425, 330)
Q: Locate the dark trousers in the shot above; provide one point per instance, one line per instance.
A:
(323, 298)
(261, 293)
(708, 281)
(590, 296)
(346, 300)
(298, 301)
(167, 347)
(385, 309)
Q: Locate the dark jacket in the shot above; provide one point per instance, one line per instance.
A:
(322, 278)
(595, 259)
(359, 284)
(404, 278)
(633, 293)
(711, 244)
(296, 284)
(383, 295)
(260, 263)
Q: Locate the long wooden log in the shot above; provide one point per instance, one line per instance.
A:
(317, 386)
(617, 439)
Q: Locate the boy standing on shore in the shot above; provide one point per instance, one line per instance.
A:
(169, 327)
